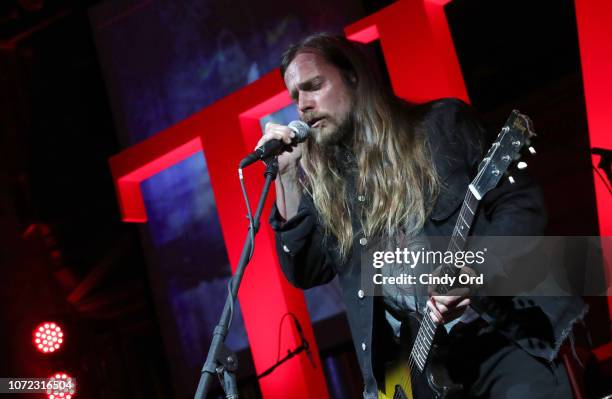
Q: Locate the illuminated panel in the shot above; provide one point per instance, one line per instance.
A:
(48, 337)
(225, 132)
(418, 49)
(594, 20)
(61, 386)
(414, 27)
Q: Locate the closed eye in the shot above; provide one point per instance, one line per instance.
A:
(312, 84)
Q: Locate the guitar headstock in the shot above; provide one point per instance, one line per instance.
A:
(514, 138)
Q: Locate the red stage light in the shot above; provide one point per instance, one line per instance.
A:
(64, 386)
(48, 337)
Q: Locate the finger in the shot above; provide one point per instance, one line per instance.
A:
(436, 318)
(443, 309)
(434, 313)
(464, 303)
(438, 305)
(457, 292)
(447, 300)
(456, 311)
(282, 133)
(271, 135)
(273, 125)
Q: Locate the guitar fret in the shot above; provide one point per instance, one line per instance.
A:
(426, 343)
(429, 336)
(423, 330)
(432, 325)
(457, 247)
(418, 361)
(420, 364)
(467, 218)
(468, 207)
(459, 244)
(421, 353)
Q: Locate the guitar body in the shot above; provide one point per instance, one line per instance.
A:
(434, 382)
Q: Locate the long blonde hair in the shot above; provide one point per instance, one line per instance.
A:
(394, 169)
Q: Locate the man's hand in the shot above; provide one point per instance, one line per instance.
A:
(287, 160)
(448, 307)
(287, 189)
(445, 308)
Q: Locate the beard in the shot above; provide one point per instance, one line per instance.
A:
(335, 145)
(336, 133)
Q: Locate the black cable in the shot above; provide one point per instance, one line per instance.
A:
(280, 326)
(249, 213)
(290, 353)
(252, 248)
(602, 178)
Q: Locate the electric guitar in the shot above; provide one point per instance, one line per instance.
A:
(419, 373)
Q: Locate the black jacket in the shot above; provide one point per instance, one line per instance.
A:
(455, 138)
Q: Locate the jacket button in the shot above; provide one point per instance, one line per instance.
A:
(363, 346)
(361, 198)
(286, 249)
(360, 294)
(363, 241)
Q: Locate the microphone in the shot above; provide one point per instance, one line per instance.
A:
(276, 147)
(304, 342)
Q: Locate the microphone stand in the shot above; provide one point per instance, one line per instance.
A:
(220, 360)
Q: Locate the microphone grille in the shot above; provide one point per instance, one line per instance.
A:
(301, 129)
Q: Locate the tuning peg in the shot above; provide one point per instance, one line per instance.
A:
(511, 179)
(521, 165)
(532, 150)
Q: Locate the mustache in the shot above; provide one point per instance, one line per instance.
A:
(312, 119)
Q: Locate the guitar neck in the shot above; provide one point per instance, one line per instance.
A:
(428, 328)
(460, 235)
(511, 140)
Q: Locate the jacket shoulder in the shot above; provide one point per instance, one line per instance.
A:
(443, 110)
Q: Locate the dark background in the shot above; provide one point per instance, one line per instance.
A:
(81, 80)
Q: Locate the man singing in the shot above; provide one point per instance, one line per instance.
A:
(378, 168)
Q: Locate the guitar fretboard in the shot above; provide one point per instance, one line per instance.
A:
(427, 331)
(460, 235)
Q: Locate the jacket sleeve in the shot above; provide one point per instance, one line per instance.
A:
(300, 246)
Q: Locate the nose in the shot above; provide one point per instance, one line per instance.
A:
(305, 102)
